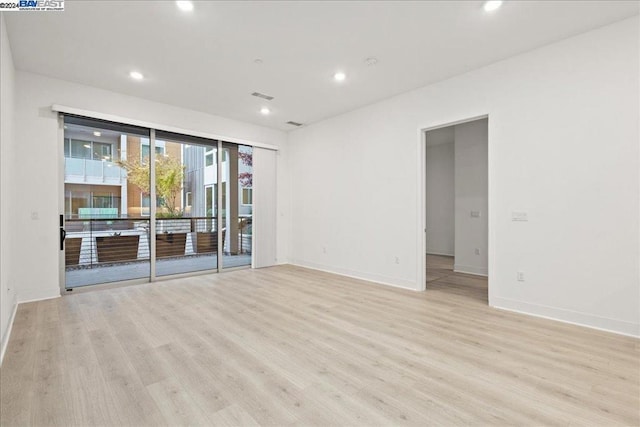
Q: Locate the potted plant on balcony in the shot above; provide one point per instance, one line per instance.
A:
(207, 241)
(171, 227)
(72, 246)
(117, 248)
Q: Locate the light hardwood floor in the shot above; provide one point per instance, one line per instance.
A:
(441, 277)
(287, 345)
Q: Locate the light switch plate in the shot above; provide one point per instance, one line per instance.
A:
(519, 216)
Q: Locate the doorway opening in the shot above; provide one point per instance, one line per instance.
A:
(456, 195)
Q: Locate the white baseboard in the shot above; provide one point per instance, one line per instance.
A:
(467, 269)
(439, 253)
(7, 334)
(33, 297)
(568, 316)
(5, 339)
(382, 280)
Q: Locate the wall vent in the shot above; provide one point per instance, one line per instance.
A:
(262, 95)
(294, 123)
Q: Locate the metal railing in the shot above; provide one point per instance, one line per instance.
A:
(97, 241)
(93, 242)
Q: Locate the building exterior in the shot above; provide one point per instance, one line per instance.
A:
(95, 184)
(92, 178)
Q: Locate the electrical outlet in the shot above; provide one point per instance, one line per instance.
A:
(477, 251)
(397, 260)
(324, 249)
(520, 276)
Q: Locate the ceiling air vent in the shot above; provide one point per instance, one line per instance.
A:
(262, 95)
(294, 123)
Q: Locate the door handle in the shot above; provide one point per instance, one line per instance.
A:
(63, 235)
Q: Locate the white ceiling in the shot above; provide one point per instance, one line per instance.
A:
(204, 60)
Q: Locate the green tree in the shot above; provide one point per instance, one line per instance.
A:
(169, 177)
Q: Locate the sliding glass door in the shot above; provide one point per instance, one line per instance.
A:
(142, 203)
(237, 204)
(186, 172)
(105, 225)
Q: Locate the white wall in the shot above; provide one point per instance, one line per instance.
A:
(264, 225)
(36, 241)
(7, 96)
(440, 193)
(471, 195)
(563, 145)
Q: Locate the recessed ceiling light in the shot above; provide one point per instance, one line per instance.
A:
(265, 111)
(492, 5)
(96, 133)
(258, 61)
(185, 6)
(339, 76)
(136, 75)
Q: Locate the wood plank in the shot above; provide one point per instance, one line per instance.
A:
(288, 345)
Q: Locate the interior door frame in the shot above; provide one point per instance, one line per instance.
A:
(421, 273)
(153, 206)
(61, 202)
(219, 207)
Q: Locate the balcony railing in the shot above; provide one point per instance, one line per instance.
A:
(96, 242)
(93, 171)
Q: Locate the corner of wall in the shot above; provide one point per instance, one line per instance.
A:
(7, 334)
(8, 295)
(568, 292)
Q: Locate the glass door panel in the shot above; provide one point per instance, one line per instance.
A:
(106, 232)
(186, 227)
(237, 204)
